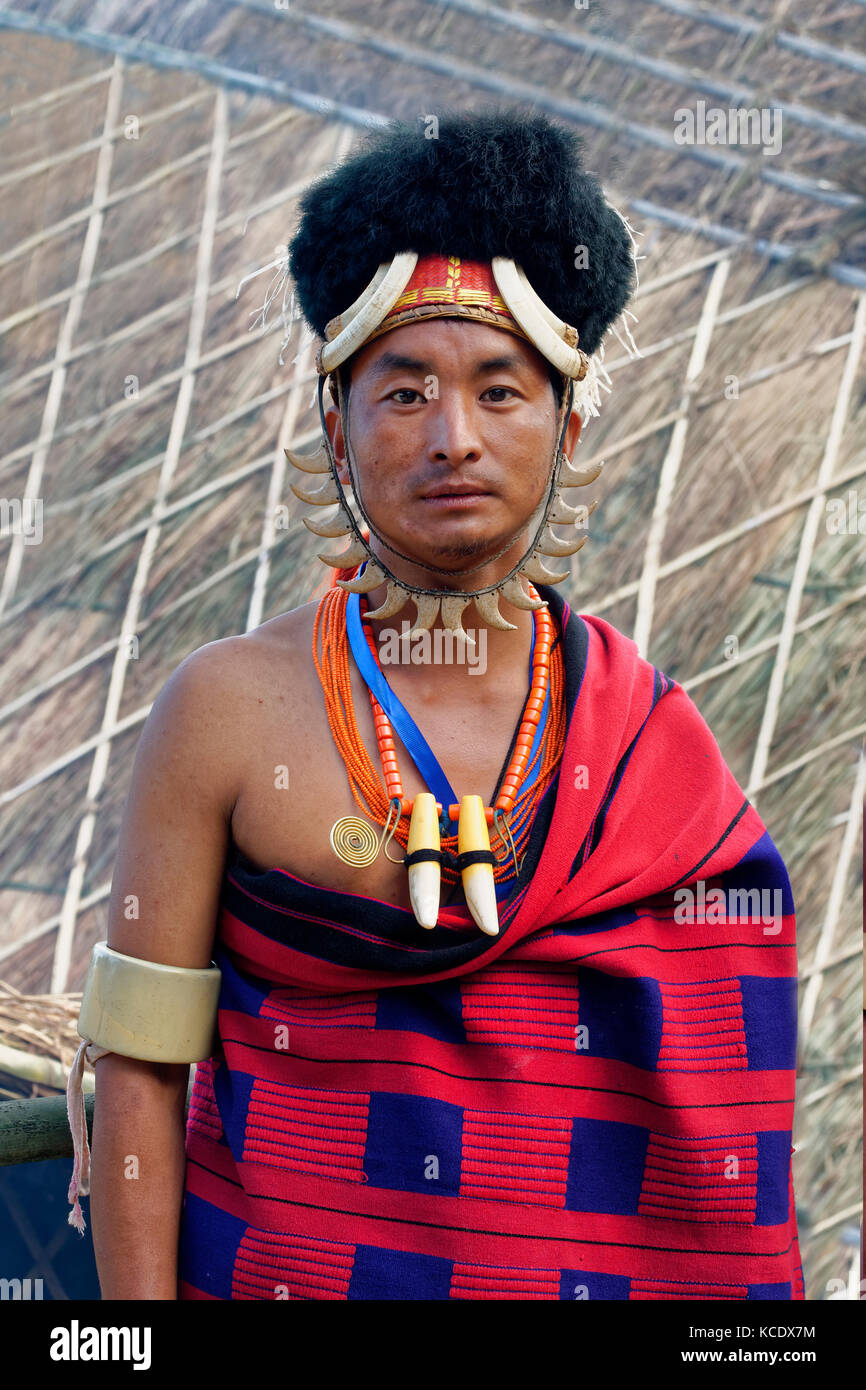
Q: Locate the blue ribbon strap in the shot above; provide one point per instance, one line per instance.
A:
(415, 743)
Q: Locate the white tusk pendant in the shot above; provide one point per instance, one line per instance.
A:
(488, 607)
(428, 607)
(330, 525)
(395, 598)
(452, 606)
(552, 545)
(346, 559)
(424, 876)
(320, 494)
(515, 593)
(570, 476)
(536, 571)
(561, 512)
(310, 463)
(372, 577)
(478, 883)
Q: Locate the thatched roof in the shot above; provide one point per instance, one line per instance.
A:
(151, 422)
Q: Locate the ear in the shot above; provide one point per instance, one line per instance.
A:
(572, 434)
(334, 426)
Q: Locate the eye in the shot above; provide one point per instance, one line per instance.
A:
(499, 388)
(405, 391)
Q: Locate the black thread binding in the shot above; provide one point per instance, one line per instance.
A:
(418, 855)
(474, 856)
(453, 861)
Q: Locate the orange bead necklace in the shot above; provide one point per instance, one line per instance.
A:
(388, 804)
(544, 635)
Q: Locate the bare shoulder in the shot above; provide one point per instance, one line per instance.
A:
(283, 642)
(260, 709)
(227, 684)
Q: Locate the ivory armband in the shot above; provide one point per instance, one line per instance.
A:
(156, 1013)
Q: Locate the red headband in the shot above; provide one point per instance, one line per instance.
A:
(448, 286)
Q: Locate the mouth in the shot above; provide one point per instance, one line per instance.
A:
(455, 495)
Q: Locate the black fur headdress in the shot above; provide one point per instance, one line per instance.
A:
(491, 184)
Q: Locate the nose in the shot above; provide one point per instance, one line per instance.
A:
(453, 428)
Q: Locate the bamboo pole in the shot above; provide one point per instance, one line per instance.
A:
(34, 1131)
(46, 1071)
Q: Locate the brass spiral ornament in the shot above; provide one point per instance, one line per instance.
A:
(354, 841)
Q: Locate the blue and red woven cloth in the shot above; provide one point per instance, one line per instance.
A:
(595, 1104)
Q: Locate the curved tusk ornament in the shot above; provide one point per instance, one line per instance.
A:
(538, 573)
(317, 494)
(334, 328)
(424, 877)
(564, 514)
(549, 334)
(452, 609)
(380, 296)
(488, 607)
(346, 560)
(317, 462)
(372, 577)
(477, 879)
(395, 599)
(552, 545)
(515, 593)
(569, 476)
(330, 525)
(428, 607)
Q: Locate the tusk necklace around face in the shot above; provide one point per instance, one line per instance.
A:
(427, 853)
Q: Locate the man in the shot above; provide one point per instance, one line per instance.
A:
(546, 1048)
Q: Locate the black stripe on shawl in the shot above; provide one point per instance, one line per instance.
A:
(720, 841)
(512, 1235)
(661, 686)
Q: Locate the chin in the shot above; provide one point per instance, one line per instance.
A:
(455, 541)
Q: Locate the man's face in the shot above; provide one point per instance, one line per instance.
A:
(445, 407)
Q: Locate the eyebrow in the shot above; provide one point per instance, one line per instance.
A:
(396, 361)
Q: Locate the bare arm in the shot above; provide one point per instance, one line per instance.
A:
(164, 903)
